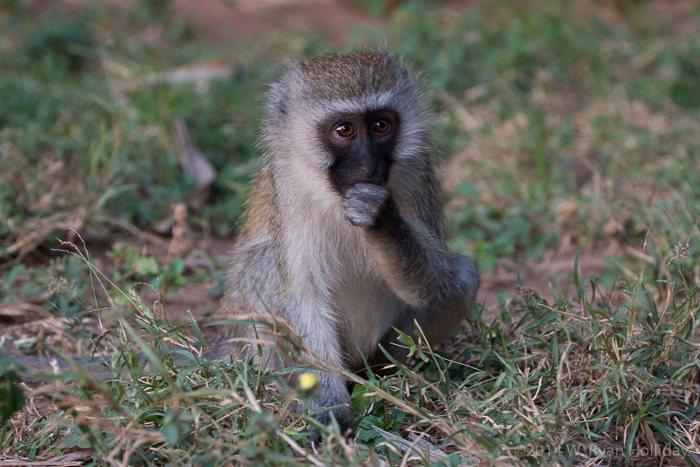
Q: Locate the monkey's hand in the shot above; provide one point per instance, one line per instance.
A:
(364, 204)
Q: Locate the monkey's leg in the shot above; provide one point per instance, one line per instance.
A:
(256, 284)
(435, 323)
(315, 324)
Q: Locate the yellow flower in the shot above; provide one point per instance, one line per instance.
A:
(307, 381)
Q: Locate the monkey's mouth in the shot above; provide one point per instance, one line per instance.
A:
(344, 177)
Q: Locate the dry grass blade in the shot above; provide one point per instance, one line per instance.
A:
(198, 72)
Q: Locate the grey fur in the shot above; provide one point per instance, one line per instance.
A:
(348, 267)
(341, 269)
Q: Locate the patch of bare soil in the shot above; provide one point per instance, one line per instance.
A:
(250, 18)
(550, 277)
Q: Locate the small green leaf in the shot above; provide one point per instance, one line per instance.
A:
(144, 266)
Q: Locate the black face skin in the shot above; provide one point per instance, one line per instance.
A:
(362, 146)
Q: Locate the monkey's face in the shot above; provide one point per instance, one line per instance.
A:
(361, 147)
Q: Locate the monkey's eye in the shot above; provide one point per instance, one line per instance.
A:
(381, 126)
(345, 129)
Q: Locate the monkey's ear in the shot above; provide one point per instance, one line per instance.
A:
(284, 90)
(277, 100)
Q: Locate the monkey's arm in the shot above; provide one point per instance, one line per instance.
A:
(413, 260)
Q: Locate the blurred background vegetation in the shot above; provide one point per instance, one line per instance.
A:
(569, 133)
(568, 123)
(565, 122)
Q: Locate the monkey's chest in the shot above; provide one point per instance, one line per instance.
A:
(367, 311)
(335, 254)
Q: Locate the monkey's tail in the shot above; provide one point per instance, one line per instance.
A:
(35, 368)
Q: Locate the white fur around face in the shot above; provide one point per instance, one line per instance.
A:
(302, 120)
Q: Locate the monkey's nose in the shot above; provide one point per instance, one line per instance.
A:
(366, 168)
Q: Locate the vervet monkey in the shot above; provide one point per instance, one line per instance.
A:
(343, 235)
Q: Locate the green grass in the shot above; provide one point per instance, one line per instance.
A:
(561, 130)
